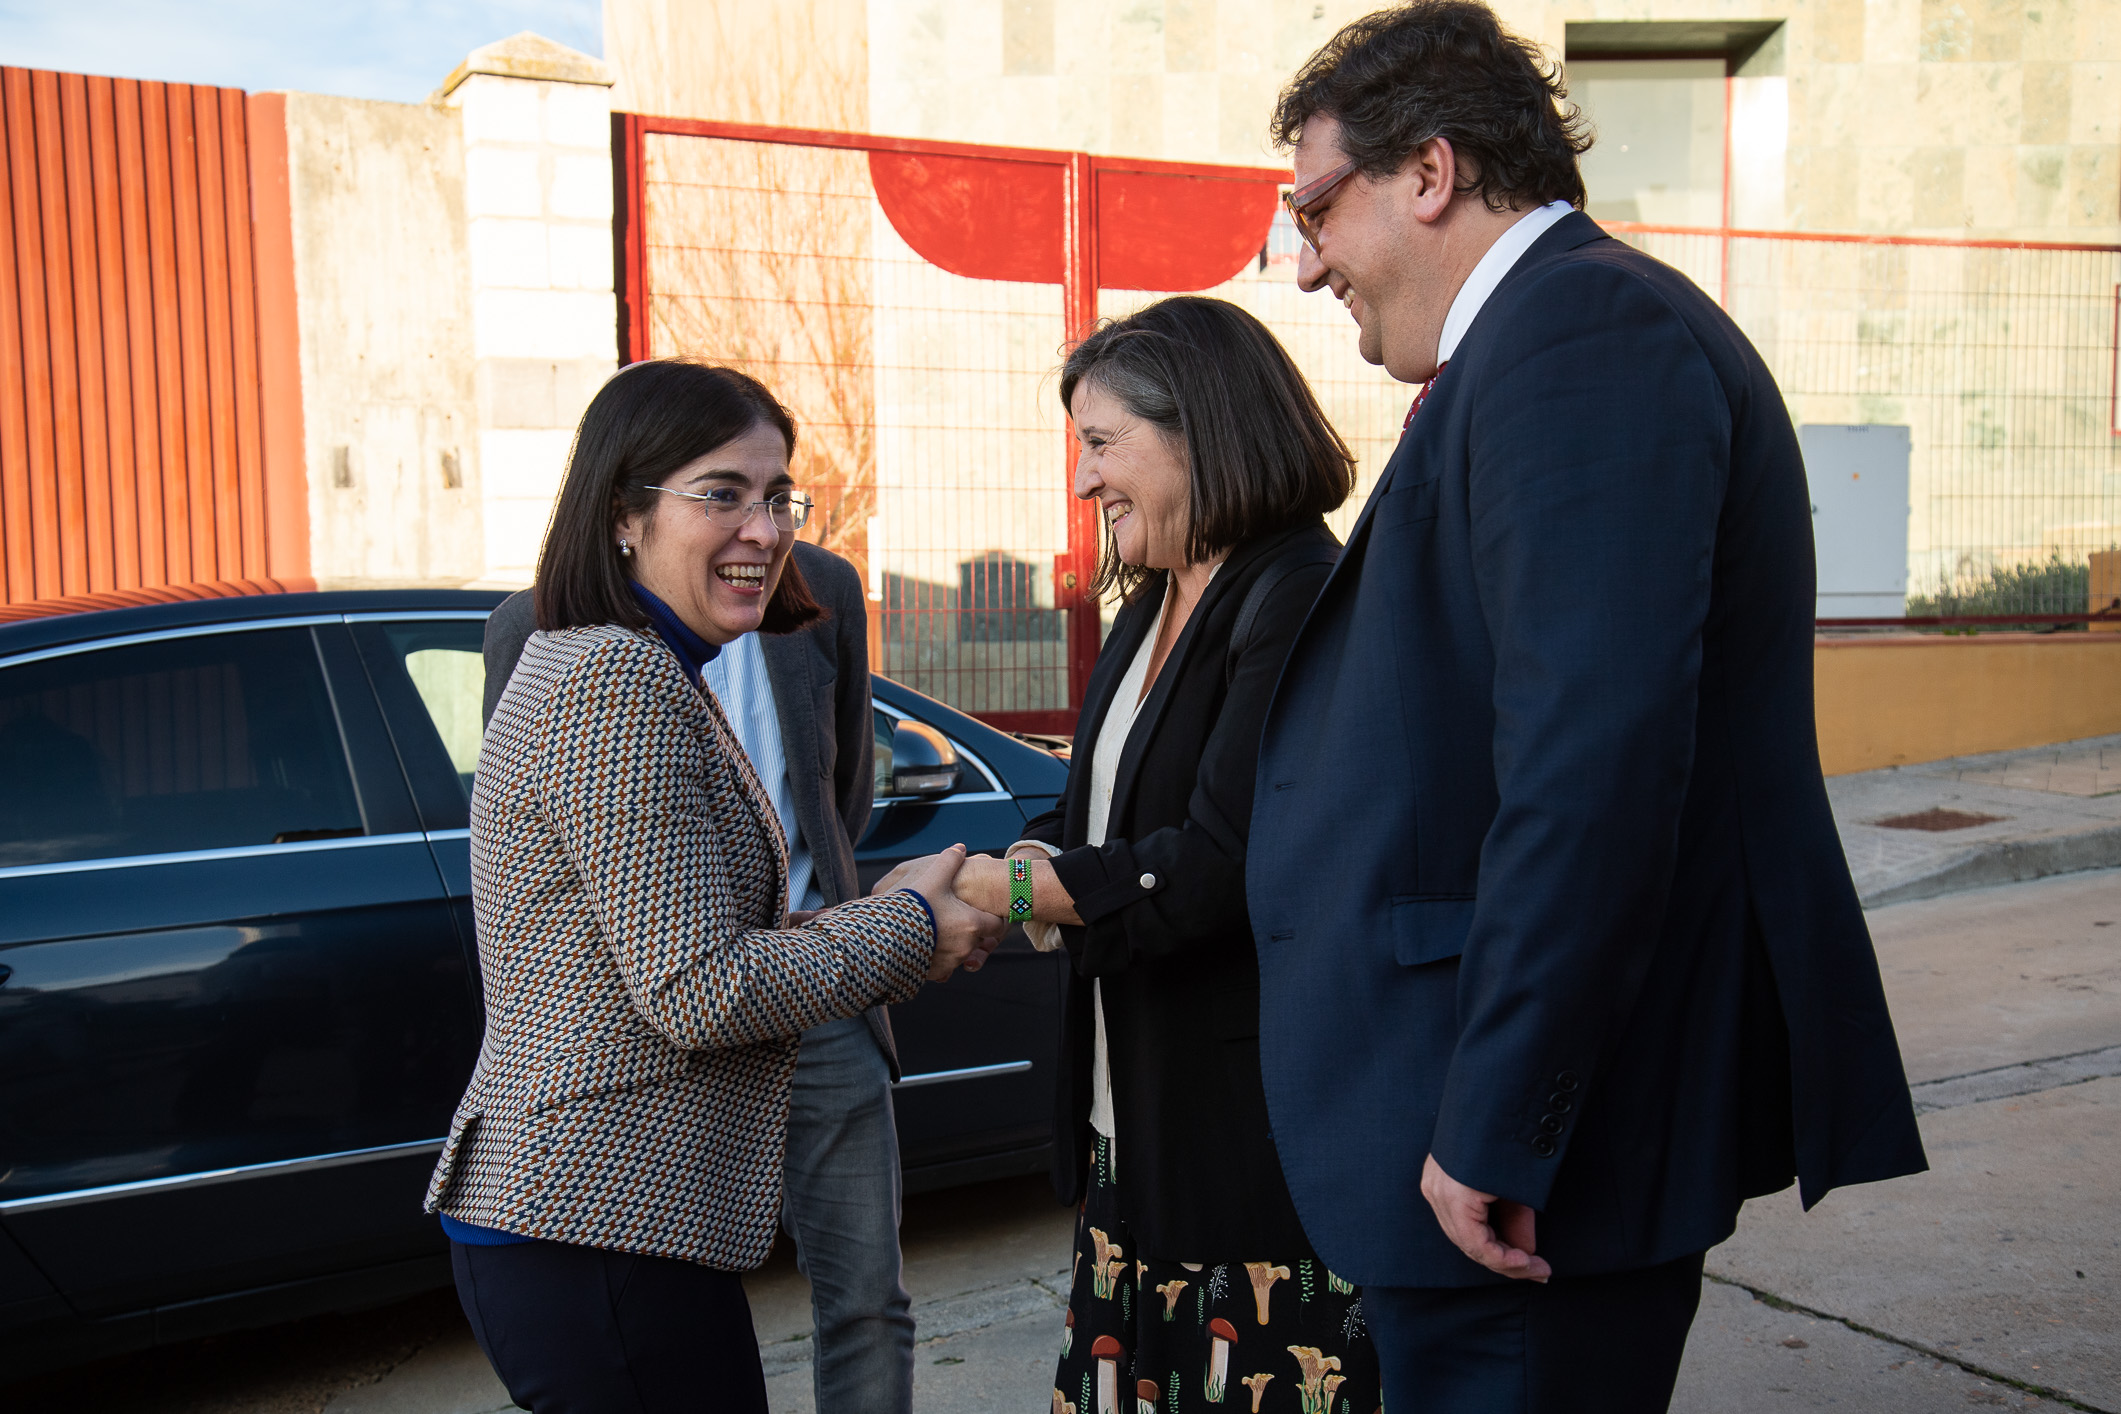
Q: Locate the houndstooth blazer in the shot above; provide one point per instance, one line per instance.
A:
(643, 996)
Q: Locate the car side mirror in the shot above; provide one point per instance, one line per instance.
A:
(923, 762)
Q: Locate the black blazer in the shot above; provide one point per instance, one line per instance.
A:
(1165, 927)
(820, 682)
(1540, 840)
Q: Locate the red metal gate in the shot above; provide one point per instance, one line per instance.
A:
(911, 301)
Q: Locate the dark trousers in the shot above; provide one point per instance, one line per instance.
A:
(1577, 1345)
(579, 1330)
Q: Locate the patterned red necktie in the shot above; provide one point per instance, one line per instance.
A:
(1423, 396)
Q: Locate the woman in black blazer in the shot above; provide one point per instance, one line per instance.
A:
(1214, 467)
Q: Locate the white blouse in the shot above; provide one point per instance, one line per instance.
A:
(1104, 768)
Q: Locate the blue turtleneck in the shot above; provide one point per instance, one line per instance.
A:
(693, 651)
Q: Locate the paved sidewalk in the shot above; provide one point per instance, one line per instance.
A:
(2007, 816)
(2005, 1258)
(1993, 1281)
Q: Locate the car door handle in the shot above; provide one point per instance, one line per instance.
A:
(5, 973)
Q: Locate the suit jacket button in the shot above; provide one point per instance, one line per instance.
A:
(1567, 1080)
(1550, 1124)
(1543, 1146)
(1148, 881)
(1559, 1103)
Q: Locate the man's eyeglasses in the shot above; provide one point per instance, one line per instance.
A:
(727, 508)
(1307, 204)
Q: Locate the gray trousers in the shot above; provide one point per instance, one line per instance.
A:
(840, 1202)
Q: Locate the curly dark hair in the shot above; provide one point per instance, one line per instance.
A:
(1444, 68)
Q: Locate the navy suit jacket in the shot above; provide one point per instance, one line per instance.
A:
(1542, 873)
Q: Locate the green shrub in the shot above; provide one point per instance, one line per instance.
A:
(2057, 586)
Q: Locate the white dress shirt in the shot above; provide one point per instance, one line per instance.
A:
(737, 677)
(1508, 249)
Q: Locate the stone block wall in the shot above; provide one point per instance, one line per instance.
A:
(538, 201)
(453, 283)
(1937, 117)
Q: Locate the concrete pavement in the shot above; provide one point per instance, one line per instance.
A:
(1913, 832)
(2006, 1256)
(988, 1263)
(1956, 1288)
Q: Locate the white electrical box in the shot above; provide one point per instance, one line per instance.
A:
(1858, 478)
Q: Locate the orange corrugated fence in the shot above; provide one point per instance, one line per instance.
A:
(132, 434)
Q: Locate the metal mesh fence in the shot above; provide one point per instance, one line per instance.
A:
(933, 437)
(931, 433)
(1998, 359)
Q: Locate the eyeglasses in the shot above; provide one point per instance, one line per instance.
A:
(727, 508)
(1307, 204)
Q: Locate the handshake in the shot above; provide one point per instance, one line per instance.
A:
(964, 935)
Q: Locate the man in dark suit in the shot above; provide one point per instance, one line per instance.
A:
(800, 704)
(1540, 838)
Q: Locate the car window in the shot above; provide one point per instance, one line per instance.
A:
(884, 725)
(203, 742)
(445, 661)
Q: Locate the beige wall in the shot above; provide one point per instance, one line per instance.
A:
(797, 63)
(1915, 117)
(453, 283)
(384, 301)
(434, 309)
(1900, 700)
(1946, 117)
(1190, 80)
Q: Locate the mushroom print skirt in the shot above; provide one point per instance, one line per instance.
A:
(1149, 1337)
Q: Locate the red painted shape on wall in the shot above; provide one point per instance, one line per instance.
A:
(1158, 231)
(1003, 219)
(982, 217)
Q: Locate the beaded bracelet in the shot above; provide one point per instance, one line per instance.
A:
(1019, 888)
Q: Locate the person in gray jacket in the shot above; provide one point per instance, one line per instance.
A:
(800, 704)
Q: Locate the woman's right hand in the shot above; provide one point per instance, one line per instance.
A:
(964, 935)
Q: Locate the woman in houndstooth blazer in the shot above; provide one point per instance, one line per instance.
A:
(616, 1158)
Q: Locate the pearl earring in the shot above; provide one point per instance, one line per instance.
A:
(626, 549)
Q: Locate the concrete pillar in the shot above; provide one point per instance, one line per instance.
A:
(537, 166)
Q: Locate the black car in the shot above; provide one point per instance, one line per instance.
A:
(239, 995)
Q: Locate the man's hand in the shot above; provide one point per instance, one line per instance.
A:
(1492, 1231)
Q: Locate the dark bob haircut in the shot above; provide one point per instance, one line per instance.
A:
(649, 420)
(1260, 455)
(1448, 69)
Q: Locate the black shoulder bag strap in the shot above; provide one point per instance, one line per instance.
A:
(1262, 589)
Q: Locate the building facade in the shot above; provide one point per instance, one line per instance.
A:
(1903, 117)
(443, 272)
